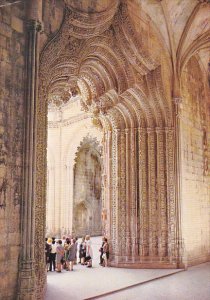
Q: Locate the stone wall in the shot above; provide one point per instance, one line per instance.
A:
(12, 46)
(195, 173)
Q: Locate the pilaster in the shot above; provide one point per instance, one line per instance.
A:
(179, 242)
(151, 138)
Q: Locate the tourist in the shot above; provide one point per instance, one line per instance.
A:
(82, 251)
(60, 255)
(89, 251)
(53, 255)
(76, 243)
(105, 252)
(72, 254)
(47, 251)
(63, 240)
(101, 250)
(66, 249)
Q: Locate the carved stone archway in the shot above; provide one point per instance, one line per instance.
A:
(121, 86)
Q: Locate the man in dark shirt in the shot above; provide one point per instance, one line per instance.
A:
(101, 250)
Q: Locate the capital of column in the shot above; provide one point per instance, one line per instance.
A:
(177, 100)
(169, 129)
(159, 130)
(142, 130)
(117, 130)
(150, 130)
(126, 131)
(34, 25)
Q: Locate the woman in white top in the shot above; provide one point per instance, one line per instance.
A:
(53, 255)
(89, 251)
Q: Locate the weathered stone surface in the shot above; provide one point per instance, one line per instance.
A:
(17, 24)
(12, 47)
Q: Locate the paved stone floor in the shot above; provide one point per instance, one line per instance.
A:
(92, 283)
(193, 284)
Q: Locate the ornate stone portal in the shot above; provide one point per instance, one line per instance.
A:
(121, 86)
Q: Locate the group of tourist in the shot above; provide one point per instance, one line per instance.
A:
(62, 253)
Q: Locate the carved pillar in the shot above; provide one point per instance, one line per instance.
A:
(152, 195)
(171, 209)
(133, 192)
(161, 192)
(122, 207)
(128, 195)
(179, 243)
(143, 195)
(27, 262)
(108, 185)
(115, 190)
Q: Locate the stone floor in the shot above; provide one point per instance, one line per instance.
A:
(103, 283)
(193, 284)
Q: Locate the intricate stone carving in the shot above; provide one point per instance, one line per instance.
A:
(138, 194)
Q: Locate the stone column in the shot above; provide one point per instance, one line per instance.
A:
(114, 218)
(179, 243)
(108, 185)
(123, 201)
(128, 196)
(161, 193)
(151, 139)
(27, 262)
(143, 194)
(170, 199)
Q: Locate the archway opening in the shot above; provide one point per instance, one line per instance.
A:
(135, 117)
(74, 170)
(87, 198)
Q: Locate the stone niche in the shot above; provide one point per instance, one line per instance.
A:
(87, 202)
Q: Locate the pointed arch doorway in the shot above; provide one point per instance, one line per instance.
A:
(87, 199)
